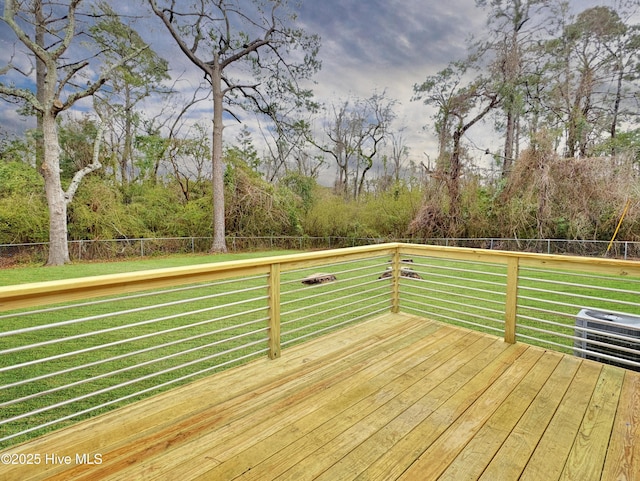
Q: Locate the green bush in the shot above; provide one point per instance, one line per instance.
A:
(24, 216)
(389, 213)
(18, 178)
(157, 208)
(254, 207)
(98, 212)
(332, 215)
(194, 218)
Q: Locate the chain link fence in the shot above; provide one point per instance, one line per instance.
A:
(14, 254)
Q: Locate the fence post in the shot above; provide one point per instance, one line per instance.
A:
(274, 311)
(395, 281)
(511, 303)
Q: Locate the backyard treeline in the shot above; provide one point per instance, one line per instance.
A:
(545, 196)
(561, 91)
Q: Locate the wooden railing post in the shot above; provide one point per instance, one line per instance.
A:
(511, 303)
(274, 311)
(395, 281)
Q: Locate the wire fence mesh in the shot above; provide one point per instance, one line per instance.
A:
(12, 254)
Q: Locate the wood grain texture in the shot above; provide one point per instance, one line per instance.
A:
(395, 397)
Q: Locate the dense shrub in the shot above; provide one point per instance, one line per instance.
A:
(544, 197)
(332, 215)
(552, 197)
(98, 212)
(255, 207)
(389, 213)
(23, 209)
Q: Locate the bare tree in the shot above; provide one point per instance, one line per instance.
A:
(47, 30)
(251, 56)
(460, 106)
(288, 151)
(510, 39)
(356, 130)
(399, 153)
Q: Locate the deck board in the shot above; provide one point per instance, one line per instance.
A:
(590, 446)
(396, 397)
(481, 448)
(623, 457)
(526, 434)
(549, 458)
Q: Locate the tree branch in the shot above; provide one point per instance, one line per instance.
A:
(24, 94)
(9, 17)
(93, 166)
(176, 36)
(94, 87)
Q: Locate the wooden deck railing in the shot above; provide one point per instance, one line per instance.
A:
(542, 298)
(73, 348)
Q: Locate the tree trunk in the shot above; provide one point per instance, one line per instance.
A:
(453, 184)
(509, 141)
(126, 163)
(219, 243)
(58, 247)
(41, 72)
(573, 132)
(363, 175)
(616, 111)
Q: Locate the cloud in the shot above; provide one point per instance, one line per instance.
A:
(389, 45)
(367, 46)
(382, 33)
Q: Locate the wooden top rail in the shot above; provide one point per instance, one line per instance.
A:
(52, 292)
(43, 293)
(529, 259)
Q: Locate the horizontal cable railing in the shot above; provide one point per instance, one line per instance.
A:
(592, 316)
(586, 307)
(120, 338)
(462, 292)
(344, 292)
(80, 358)
(71, 349)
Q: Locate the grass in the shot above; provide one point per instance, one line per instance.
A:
(39, 273)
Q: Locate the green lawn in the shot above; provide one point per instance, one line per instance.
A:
(39, 273)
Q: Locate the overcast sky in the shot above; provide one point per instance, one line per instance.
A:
(367, 46)
(389, 45)
(393, 45)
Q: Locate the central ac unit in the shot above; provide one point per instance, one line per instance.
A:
(608, 337)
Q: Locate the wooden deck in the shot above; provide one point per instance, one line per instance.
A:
(397, 397)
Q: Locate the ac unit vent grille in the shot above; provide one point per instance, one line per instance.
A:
(599, 334)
